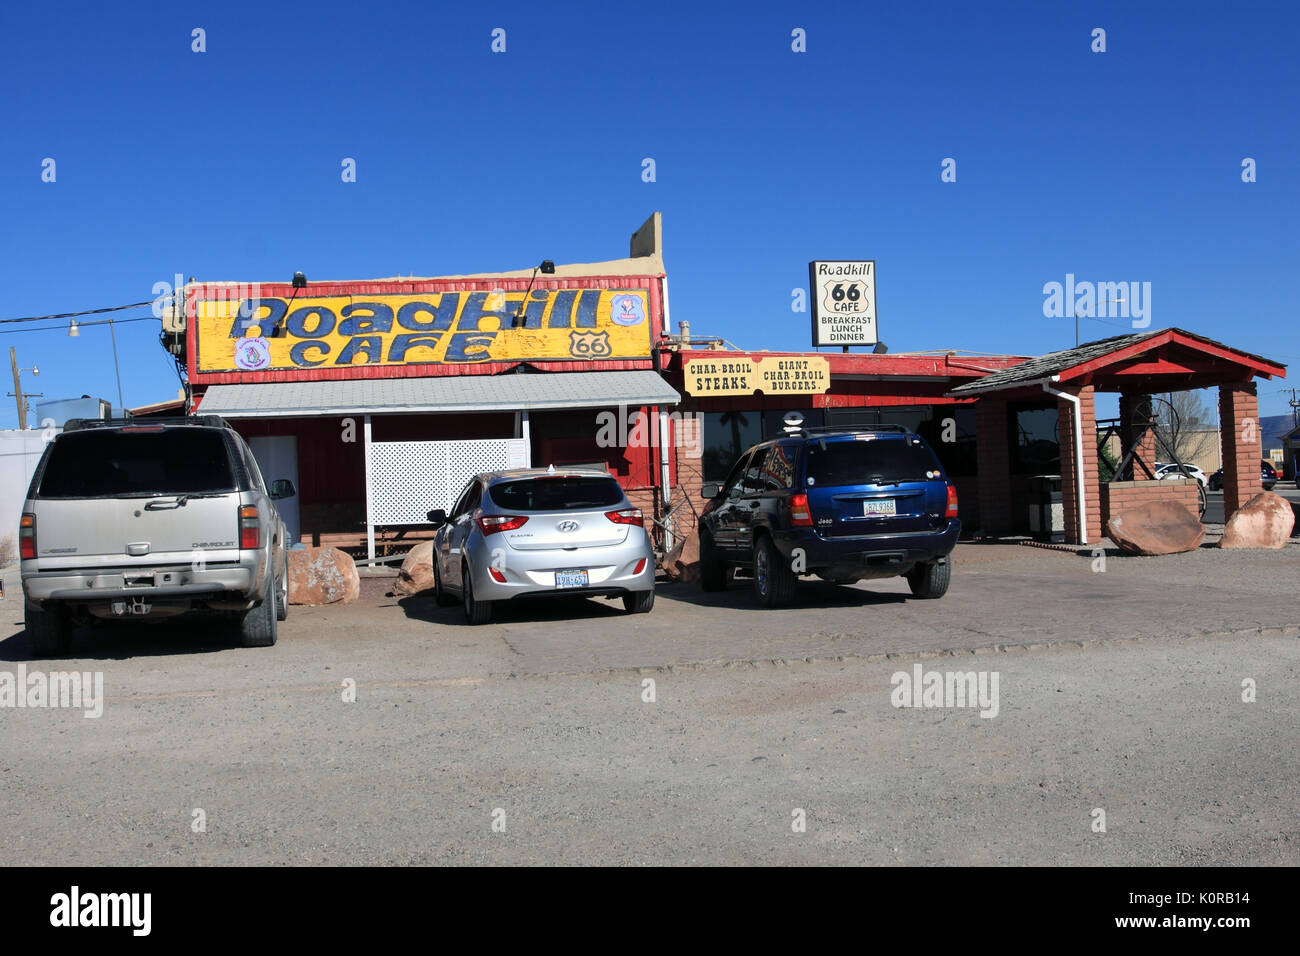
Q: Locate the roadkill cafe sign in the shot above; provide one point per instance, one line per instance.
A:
(727, 375)
(844, 302)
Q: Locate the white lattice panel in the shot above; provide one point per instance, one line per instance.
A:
(408, 479)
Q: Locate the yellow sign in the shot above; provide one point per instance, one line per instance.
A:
(256, 334)
(726, 375)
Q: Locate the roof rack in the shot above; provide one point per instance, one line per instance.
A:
(832, 429)
(81, 424)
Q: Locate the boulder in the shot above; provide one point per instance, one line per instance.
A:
(1265, 521)
(1156, 527)
(322, 576)
(416, 573)
(683, 564)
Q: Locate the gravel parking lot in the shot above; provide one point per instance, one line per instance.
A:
(1119, 690)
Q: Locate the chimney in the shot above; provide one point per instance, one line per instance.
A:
(685, 329)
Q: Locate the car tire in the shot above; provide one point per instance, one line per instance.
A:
(476, 612)
(713, 573)
(440, 595)
(930, 579)
(639, 602)
(257, 625)
(49, 634)
(774, 581)
(282, 592)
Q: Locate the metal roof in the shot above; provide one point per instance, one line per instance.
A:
(458, 393)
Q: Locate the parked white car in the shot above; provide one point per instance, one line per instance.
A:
(1182, 471)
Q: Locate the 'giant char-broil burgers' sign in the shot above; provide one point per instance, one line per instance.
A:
(844, 302)
(442, 328)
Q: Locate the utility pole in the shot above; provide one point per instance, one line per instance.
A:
(18, 390)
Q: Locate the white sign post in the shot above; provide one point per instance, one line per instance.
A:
(844, 302)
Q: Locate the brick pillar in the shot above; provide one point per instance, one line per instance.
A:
(1092, 483)
(1242, 443)
(993, 465)
(1130, 430)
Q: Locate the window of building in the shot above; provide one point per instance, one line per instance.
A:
(1035, 443)
(726, 437)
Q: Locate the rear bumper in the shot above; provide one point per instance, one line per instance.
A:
(883, 552)
(227, 584)
(611, 571)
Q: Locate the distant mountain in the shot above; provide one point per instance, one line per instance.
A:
(1273, 427)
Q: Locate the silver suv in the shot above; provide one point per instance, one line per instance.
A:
(149, 519)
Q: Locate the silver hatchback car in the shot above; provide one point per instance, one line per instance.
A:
(535, 532)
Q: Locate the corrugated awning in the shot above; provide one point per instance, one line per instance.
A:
(449, 393)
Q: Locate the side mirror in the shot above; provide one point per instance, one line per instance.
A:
(437, 517)
(282, 488)
(710, 491)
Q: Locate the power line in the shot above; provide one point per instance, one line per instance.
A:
(73, 315)
(80, 325)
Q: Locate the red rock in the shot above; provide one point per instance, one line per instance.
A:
(416, 573)
(1265, 521)
(322, 576)
(1156, 527)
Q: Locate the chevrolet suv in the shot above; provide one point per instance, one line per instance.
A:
(151, 518)
(843, 504)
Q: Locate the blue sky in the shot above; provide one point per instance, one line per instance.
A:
(1116, 166)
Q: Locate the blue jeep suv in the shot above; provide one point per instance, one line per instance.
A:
(843, 504)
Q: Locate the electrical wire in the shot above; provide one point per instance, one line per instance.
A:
(80, 325)
(73, 315)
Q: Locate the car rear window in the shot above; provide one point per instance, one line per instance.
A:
(99, 464)
(556, 493)
(860, 462)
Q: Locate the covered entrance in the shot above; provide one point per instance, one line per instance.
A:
(1136, 367)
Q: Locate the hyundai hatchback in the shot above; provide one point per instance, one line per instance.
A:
(534, 533)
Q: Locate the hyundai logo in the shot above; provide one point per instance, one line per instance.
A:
(567, 526)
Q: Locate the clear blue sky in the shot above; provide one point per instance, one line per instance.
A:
(1115, 166)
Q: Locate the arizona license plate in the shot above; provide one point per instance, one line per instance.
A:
(570, 579)
(880, 506)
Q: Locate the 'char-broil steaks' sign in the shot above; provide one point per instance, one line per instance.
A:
(844, 302)
(441, 328)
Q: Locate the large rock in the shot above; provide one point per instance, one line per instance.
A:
(1265, 521)
(684, 565)
(1156, 527)
(416, 573)
(322, 576)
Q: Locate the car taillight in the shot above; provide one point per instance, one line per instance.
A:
(640, 566)
(952, 502)
(627, 516)
(27, 536)
(250, 528)
(491, 524)
(497, 575)
(800, 515)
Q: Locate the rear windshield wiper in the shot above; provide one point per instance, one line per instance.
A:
(181, 499)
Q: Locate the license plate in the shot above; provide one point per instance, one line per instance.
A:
(880, 506)
(570, 579)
